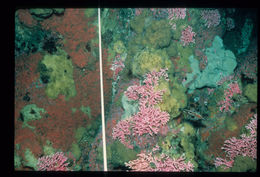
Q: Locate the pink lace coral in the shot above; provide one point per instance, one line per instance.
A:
(226, 103)
(211, 17)
(187, 36)
(224, 162)
(244, 146)
(149, 118)
(146, 93)
(176, 13)
(150, 162)
(55, 162)
(122, 132)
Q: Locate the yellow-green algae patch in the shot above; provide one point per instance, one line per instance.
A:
(57, 70)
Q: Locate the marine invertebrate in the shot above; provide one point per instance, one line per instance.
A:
(250, 91)
(243, 146)
(55, 162)
(151, 162)
(176, 13)
(228, 93)
(122, 131)
(57, 71)
(187, 36)
(29, 113)
(211, 17)
(149, 60)
(220, 63)
(149, 118)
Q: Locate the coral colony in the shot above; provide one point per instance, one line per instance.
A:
(55, 162)
(149, 118)
(179, 89)
(233, 88)
(211, 17)
(243, 146)
(161, 163)
(177, 13)
(187, 36)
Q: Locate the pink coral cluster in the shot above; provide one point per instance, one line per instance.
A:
(226, 103)
(252, 126)
(224, 162)
(176, 13)
(55, 162)
(187, 36)
(123, 133)
(211, 17)
(151, 162)
(243, 146)
(146, 93)
(153, 77)
(149, 119)
(226, 78)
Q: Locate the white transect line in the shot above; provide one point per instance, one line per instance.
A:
(102, 96)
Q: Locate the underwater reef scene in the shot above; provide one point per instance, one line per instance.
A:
(180, 89)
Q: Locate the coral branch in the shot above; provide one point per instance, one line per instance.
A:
(55, 162)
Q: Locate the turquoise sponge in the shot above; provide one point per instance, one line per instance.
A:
(221, 63)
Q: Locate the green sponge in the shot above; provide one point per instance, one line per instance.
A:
(30, 159)
(149, 60)
(250, 91)
(57, 71)
(29, 113)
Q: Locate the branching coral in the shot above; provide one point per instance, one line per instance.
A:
(243, 146)
(149, 118)
(151, 162)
